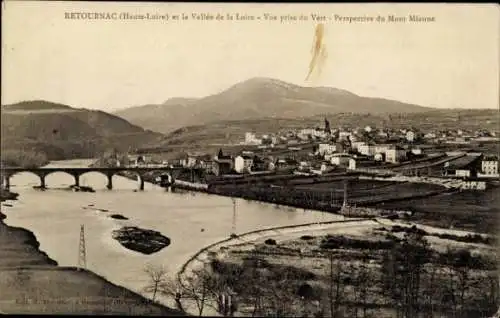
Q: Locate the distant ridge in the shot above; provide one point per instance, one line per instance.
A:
(259, 97)
(59, 131)
(35, 105)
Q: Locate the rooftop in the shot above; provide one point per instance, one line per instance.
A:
(462, 162)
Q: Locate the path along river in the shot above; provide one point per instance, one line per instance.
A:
(190, 220)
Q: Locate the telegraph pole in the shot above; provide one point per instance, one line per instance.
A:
(344, 204)
(234, 217)
(82, 256)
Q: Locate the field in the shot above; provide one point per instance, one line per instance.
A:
(469, 210)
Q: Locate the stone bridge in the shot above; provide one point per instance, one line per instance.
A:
(109, 172)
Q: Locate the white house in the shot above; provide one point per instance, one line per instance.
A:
(379, 156)
(326, 149)
(344, 134)
(381, 148)
(430, 136)
(368, 129)
(489, 166)
(340, 159)
(367, 150)
(352, 164)
(356, 144)
(395, 154)
(410, 136)
(462, 173)
(416, 151)
(251, 139)
(243, 163)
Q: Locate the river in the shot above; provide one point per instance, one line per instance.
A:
(190, 220)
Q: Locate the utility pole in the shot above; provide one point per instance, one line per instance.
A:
(344, 204)
(82, 257)
(234, 217)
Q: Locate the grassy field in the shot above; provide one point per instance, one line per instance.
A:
(469, 210)
(32, 283)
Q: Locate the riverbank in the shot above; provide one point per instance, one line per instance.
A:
(204, 254)
(33, 283)
(7, 195)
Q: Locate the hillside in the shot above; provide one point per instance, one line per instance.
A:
(259, 98)
(54, 131)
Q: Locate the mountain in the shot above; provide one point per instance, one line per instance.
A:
(259, 98)
(55, 131)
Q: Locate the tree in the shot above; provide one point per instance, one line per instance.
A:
(388, 277)
(430, 291)
(171, 287)
(413, 254)
(197, 287)
(336, 286)
(280, 299)
(157, 277)
(463, 262)
(362, 282)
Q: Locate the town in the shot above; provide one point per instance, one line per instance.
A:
(322, 150)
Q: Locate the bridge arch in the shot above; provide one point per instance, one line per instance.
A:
(151, 173)
(6, 177)
(149, 176)
(67, 172)
(108, 177)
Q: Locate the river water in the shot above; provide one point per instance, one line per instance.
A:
(190, 220)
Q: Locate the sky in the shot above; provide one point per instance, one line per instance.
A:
(452, 62)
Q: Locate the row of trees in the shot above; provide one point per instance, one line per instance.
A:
(458, 284)
(23, 158)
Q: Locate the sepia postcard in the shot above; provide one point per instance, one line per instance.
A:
(250, 159)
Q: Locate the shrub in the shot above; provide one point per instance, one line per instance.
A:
(306, 237)
(23, 158)
(270, 242)
(335, 242)
(306, 291)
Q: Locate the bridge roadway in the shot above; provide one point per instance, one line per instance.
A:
(109, 172)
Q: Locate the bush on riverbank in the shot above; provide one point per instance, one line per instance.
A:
(23, 158)
(336, 242)
(7, 195)
(307, 237)
(469, 238)
(118, 217)
(270, 242)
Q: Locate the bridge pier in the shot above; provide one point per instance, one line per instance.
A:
(141, 183)
(110, 182)
(6, 182)
(77, 179)
(42, 181)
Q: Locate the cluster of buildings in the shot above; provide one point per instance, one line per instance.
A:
(321, 150)
(368, 133)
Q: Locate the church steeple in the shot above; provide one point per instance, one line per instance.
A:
(327, 126)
